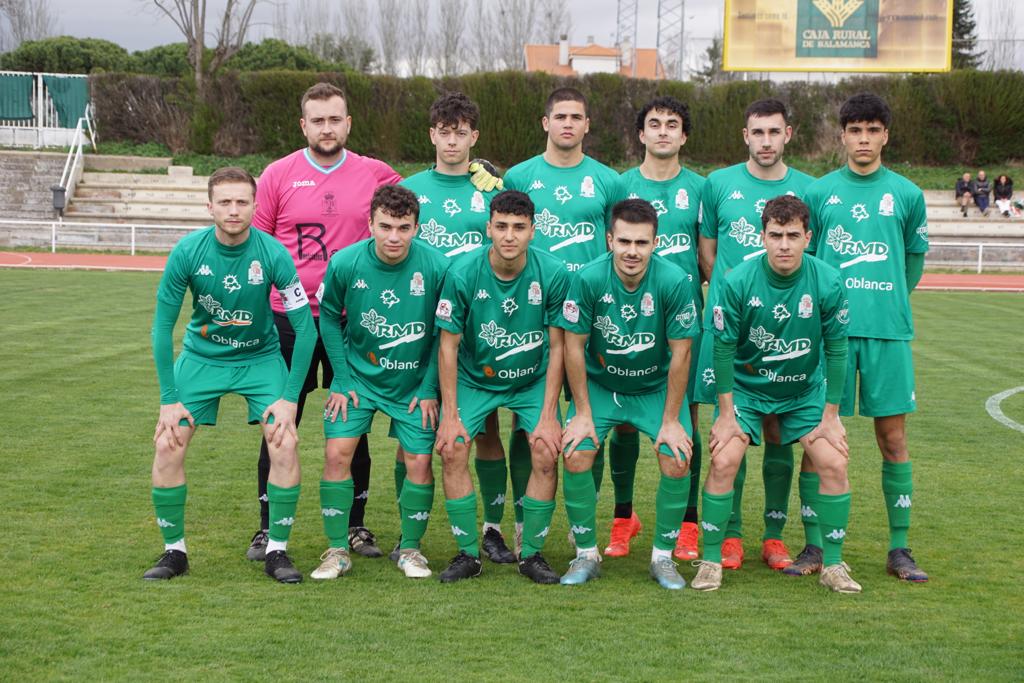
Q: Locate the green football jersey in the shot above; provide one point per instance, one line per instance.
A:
(453, 213)
(677, 202)
(573, 206)
(779, 323)
(504, 324)
(231, 322)
(865, 226)
(390, 333)
(731, 207)
(627, 349)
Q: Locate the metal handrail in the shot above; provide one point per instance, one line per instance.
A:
(74, 160)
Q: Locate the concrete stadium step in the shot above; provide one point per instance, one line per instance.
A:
(92, 194)
(177, 198)
(25, 181)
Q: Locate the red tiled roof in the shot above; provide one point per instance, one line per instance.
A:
(545, 58)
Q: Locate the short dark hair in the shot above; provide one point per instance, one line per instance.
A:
(320, 91)
(514, 203)
(785, 209)
(229, 174)
(865, 107)
(669, 104)
(766, 107)
(565, 95)
(451, 108)
(396, 201)
(634, 211)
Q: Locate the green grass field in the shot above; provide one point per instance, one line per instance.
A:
(80, 403)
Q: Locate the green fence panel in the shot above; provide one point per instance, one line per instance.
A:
(15, 97)
(69, 95)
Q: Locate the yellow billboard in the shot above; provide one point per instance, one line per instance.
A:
(838, 35)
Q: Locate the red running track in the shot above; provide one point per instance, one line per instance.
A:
(73, 261)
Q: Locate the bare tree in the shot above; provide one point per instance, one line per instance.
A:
(22, 20)
(1000, 52)
(229, 34)
(446, 40)
(417, 36)
(554, 20)
(389, 26)
(481, 26)
(512, 29)
(297, 22)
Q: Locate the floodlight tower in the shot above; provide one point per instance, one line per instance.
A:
(671, 48)
(625, 32)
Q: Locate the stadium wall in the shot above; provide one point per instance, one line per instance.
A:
(969, 117)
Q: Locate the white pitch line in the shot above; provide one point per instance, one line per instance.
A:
(992, 406)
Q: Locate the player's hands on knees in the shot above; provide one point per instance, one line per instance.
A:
(725, 429)
(549, 433)
(673, 435)
(338, 403)
(429, 409)
(167, 424)
(576, 431)
(832, 430)
(485, 177)
(284, 421)
(450, 429)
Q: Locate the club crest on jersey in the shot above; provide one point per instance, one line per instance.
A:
(255, 273)
(330, 206)
(230, 283)
(806, 307)
(587, 187)
(476, 204)
(451, 207)
(204, 270)
(444, 310)
(647, 305)
(534, 295)
(718, 317)
(562, 194)
(570, 311)
(886, 207)
(682, 199)
(416, 287)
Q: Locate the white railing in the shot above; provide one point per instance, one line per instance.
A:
(43, 129)
(980, 246)
(112, 236)
(73, 166)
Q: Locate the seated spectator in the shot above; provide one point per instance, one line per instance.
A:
(1003, 193)
(963, 192)
(980, 190)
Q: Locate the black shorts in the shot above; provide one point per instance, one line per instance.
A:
(320, 359)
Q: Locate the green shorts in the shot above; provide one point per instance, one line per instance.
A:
(405, 426)
(797, 416)
(886, 369)
(476, 404)
(643, 411)
(200, 386)
(702, 387)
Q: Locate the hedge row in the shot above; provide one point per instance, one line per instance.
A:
(966, 117)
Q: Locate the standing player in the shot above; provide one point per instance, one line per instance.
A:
(499, 347)
(230, 346)
(730, 233)
(386, 363)
(573, 194)
(771, 317)
(872, 224)
(663, 125)
(316, 201)
(637, 312)
(453, 220)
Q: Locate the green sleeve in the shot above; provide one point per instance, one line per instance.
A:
(334, 345)
(724, 360)
(163, 348)
(835, 368)
(707, 215)
(428, 387)
(305, 343)
(915, 269)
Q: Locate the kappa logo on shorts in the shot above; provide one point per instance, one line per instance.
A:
(331, 512)
(422, 516)
(836, 534)
(579, 530)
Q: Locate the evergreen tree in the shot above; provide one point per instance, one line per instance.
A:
(965, 36)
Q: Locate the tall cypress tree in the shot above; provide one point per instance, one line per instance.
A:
(965, 36)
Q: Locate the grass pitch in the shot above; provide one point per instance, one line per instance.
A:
(80, 403)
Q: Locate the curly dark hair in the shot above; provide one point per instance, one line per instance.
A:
(396, 201)
(785, 209)
(865, 107)
(451, 108)
(514, 203)
(669, 104)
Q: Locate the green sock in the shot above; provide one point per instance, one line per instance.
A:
(809, 485)
(670, 506)
(335, 506)
(695, 462)
(417, 499)
(169, 504)
(597, 469)
(777, 470)
(622, 456)
(492, 475)
(833, 515)
(714, 518)
(735, 524)
(536, 524)
(898, 488)
(520, 465)
(462, 515)
(283, 501)
(400, 472)
(581, 507)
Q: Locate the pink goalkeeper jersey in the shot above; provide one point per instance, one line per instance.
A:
(315, 211)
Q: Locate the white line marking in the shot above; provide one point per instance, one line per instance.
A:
(28, 259)
(992, 406)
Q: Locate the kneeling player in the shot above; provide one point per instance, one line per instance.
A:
(769, 321)
(637, 311)
(230, 346)
(385, 360)
(499, 348)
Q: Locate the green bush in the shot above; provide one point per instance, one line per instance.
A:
(68, 55)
